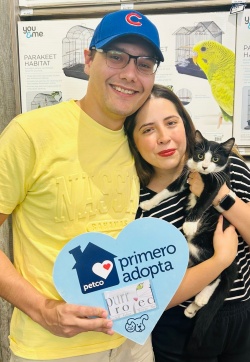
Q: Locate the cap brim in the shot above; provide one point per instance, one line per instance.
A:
(106, 41)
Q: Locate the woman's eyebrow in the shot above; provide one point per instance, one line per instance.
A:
(146, 124)
(164, 119)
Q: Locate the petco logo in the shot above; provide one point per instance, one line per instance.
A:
(31, 32)
(95, 268)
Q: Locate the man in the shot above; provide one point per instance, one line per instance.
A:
(66, 170)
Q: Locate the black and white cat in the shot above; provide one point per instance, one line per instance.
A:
(211, 160)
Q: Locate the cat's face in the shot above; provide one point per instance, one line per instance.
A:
(209, 156)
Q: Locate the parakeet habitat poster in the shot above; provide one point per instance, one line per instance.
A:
(241, 128)
(199, 52)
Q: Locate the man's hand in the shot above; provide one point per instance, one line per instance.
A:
(58, 317)
(68, 320)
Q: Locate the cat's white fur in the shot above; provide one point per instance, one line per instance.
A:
(206, 166)
(190, 228)
(162, 195)
(201, 299)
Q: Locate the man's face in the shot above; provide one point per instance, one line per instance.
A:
(113, 94)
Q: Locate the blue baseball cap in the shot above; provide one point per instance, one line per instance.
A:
(126, 22)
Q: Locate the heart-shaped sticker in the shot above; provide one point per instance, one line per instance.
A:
(134, 276)
(103, 269)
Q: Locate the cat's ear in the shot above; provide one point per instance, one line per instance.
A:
(228, 145)
(198, 136)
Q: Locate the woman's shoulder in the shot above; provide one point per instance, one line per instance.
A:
(238, 167)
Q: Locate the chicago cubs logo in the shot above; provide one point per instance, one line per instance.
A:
(129, 19)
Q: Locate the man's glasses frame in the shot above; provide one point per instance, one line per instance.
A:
(117, 59)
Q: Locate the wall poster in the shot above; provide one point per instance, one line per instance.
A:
(52, 63)
(241, 128)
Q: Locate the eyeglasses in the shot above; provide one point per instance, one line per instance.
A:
(118, 60)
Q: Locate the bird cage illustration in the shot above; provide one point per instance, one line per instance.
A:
(185, 96)
(186, 38)
(45, 99)
(77, 39)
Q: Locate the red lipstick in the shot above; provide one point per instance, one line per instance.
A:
(167, 153)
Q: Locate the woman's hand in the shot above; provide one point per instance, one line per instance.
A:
(196, 186)
(225, 243)
(195, 182)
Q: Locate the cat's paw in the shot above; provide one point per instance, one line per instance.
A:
(191, 310)
(146, 205)
(205, 294)
(190, 227)
(201, 299)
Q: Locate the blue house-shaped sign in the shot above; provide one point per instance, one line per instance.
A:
(95, 268)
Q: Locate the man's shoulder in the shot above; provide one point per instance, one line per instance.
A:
(62, 116)
(49, 110)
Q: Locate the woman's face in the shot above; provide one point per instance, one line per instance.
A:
(160, 135)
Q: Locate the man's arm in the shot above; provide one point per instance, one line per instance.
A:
(58, 317)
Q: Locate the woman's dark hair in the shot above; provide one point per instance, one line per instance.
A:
(143, 168)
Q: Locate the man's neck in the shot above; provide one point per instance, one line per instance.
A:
(101, 118)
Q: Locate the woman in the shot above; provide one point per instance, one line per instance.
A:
(161, 135)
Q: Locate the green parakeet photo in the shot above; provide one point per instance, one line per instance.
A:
(218, 64)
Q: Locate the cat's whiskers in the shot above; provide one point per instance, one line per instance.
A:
(220, 176)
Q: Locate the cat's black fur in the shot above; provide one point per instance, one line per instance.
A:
(200, 223)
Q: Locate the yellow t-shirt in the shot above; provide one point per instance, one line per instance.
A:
(62, 174)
